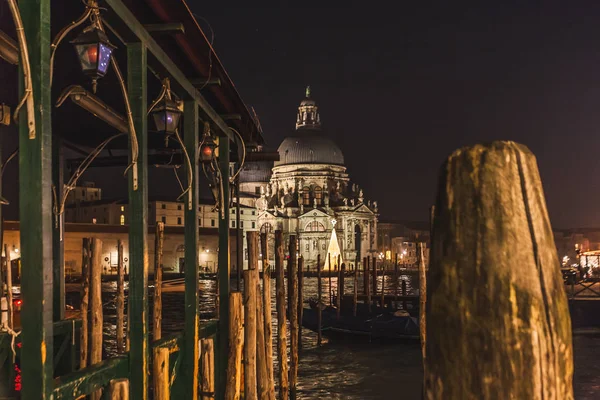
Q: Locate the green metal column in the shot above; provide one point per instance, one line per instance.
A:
(223, 339)
(138, 227)
(35, 209)
(190, 337)
(58, 247)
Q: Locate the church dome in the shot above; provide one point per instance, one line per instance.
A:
(309, 147)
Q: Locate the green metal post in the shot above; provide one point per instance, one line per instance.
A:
(138, 227)
(223, 346)
(35, 209)
(190, 337)
(58, 248)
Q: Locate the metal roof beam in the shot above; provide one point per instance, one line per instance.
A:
(165, 29)
(144, 36)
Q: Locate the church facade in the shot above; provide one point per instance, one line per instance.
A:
(308, 193)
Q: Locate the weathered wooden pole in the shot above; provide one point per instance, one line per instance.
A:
(9, 292)
(250, 326)
(86, 260)
(281, 326)
(293, 307)
(374, 272)
(355, 287)
(367, 283)
(382, 286)
(160, 369)
(159, 237)
(236, 344)
(262, 375)
(493, 253)
(422, 298)
(342, 279)
(396, 276)
(300, 300)
(338, 297)
(329, 271)
(266, 293)
(404, 303)
(319, 300)
(96, 314)
(120, 299)
(119, 390)
(207, 380)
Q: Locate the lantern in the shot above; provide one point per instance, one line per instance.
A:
(207, 150)
(166, 115)
(94, 52)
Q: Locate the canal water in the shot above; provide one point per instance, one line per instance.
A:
(344, 370)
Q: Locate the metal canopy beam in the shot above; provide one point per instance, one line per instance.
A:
(144, 36)
(205, 82)
(167, 29)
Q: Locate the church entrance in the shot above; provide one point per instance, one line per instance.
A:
(357, 242)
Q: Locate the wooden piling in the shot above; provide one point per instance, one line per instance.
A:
(365, 274)
(158, 267)
(120, 298)
(281, 326)
(96, 312)
(404, 303)
(236, 344)
(355, 297)
(262, 376)
(319, 300)
(119, 390)
(367, 283)
(9, 292)
(250, 326)
(266, 293)
(300, 300)
(329, 271)
(160, 372)
(293, 308)
(396, 276)
(382, 286)
(493, 253)
(422, 298)
(86, 260)
(342, 278)
(207, 378)
(374, 276)
(338, 297)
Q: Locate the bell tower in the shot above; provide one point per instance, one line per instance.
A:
(308, 113)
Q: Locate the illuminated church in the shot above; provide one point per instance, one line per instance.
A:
(308, 193)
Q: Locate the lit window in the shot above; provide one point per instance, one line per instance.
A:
(306, 196)
(122, 208)
(318, 194)
(122, 220)
(93, 220)
(314, 226)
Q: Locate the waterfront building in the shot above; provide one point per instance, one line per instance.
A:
(308, 193)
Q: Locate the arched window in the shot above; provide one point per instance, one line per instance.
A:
(306, 196)
(314, 226)
(318, 194)
(266, 228)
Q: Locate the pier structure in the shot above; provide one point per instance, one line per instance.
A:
(132, 51)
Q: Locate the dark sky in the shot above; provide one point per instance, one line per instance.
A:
(401, 85)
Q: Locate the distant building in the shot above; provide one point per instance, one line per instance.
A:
(401, 238)
(88, 207)
(308, 193)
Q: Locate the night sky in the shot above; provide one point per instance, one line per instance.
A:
(400, 85)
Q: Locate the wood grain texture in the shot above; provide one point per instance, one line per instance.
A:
(236, 338)
(281, 318)
(498, 324)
